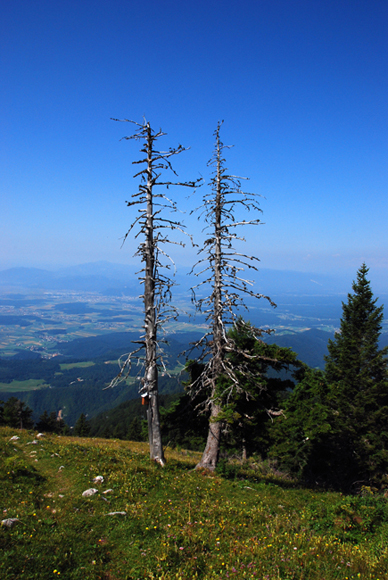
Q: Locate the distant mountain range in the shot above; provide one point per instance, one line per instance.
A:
(94, 277)
(107, 278)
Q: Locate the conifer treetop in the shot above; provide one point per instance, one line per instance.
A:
(354, 355)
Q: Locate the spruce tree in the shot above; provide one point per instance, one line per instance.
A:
(354, 357)
(82, 426)
(356, 369)
(302, 434)
(16, 414)
(334, 431)
(47, 422)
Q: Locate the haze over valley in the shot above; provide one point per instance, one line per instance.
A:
(61, 332)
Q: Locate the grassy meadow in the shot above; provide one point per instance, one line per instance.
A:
(20, 386)
(77, 365)
(174, 522)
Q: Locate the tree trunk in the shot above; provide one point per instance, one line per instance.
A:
(156, 448)
(151, 371)
(151, 226)
(212, 450)
(211, 454)
(219, 378)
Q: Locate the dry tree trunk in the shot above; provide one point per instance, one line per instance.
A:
(151, 367)
(224, 265)
(156, 296)
(211, 453)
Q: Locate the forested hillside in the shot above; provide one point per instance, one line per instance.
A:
(66, 382)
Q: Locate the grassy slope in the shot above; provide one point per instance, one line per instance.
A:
(178, 524)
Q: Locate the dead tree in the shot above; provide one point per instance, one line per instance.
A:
(223, 265)
(152, 225)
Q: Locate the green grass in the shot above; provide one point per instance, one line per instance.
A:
(77, 365)
(179, 523)
(18, 386)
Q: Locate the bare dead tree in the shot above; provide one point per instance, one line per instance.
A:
(223, 265)
(153, 227)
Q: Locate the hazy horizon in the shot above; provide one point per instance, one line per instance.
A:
(281, 281)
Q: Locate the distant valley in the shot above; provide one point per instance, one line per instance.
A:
(61, 333)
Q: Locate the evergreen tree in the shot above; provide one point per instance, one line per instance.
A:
(300, 436)
(335, 426)
(16, 414)
(82, 427)
(135, 430)
(264, 372)
(47, 422)
(183, 424)
(50, 423)
(357, 371)
(354, 357)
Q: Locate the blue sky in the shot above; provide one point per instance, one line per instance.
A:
(300, 84)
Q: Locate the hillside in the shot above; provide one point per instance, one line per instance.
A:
(75, 381)
(147, 522)
(310, 345)
(59, 345)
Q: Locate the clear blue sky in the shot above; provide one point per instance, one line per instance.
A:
(301, 85)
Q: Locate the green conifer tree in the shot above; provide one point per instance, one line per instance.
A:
(335, 425)
(82, 426)
(301, 435)
(354, 357)
(356, 369)
(16, 414)
(47, 422)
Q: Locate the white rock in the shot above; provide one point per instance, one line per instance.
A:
(62, 467)
(89, 492)
(98, 479)
(117, 514)
(14, 438)
(34, 442)
(9, 522)
(108, 491)
(39, 435)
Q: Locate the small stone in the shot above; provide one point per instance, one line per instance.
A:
(9, 522)
(89, 492)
